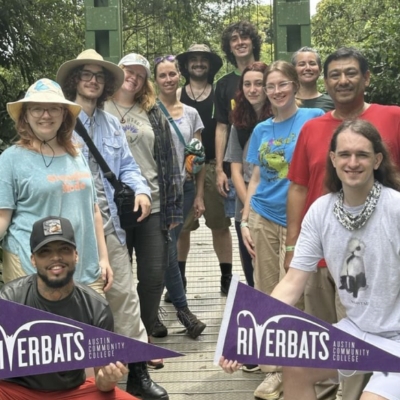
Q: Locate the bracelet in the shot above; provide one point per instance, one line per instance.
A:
(244, 224)
(290, 248)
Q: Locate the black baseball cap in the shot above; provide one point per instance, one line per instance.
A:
(51, 229)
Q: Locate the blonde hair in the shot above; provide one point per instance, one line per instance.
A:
(146, 97)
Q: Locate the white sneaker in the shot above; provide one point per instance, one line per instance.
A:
(271, 387)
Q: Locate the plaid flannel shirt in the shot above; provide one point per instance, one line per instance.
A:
(169, 176)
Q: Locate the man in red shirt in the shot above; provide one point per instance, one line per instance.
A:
(346, 77)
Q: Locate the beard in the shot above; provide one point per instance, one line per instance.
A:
(59, 283)
(89, 96)
(198, 76)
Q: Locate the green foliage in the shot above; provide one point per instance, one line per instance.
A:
(171, 26)
(37, 37)
(371, 26)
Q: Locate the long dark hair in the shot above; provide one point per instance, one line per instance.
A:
(387, 173)
(243, 115)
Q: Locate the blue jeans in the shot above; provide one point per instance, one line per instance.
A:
(151, 250)
(173, 279)
(230, 201)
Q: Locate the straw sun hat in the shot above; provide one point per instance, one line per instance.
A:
(92, 57)
(42, 91)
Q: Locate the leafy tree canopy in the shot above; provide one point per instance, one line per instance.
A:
(37, 37)
(371, 26)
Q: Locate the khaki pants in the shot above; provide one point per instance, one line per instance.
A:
(123, 297)
(11, 267)
(269, 239)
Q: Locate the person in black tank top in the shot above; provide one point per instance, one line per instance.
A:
(199, 66)
(204, 108)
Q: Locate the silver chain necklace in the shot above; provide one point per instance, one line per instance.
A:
(350, 221)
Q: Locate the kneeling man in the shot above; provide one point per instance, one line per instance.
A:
(53, 289)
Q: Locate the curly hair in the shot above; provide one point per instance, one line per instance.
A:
(64, 133)
(146, 97)
(387, 173)
(243, 116)
(244, 28)
(71, 82)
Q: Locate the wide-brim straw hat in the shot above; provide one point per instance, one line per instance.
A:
(92, 57)
(42, 91)
(215, 60)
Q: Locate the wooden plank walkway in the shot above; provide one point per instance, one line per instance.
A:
(195, 376)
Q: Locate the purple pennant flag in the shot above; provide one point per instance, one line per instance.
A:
(37, 342)
(258, 329)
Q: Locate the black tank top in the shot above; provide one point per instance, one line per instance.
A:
(205, 109)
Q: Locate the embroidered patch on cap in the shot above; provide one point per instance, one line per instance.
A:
(52, 227)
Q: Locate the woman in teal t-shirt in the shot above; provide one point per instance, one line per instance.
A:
(44, 175)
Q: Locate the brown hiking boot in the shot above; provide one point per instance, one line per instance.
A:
(193, 325)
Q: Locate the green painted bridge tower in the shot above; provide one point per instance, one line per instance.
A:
(104, 28)
(292, 28)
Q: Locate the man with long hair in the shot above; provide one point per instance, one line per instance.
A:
(355, 229)
(346, 77)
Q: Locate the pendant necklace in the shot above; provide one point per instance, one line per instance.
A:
(122, 120)
(201, 94)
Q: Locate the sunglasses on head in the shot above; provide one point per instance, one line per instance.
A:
(170, 57)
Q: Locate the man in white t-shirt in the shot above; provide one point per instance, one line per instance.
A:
(355, 228)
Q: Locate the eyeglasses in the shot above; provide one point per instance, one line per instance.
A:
(87, 76)
(282, 86)
(170, 57)
(37, 111)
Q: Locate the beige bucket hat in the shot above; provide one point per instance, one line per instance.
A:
(42, 91)
(90, 56)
